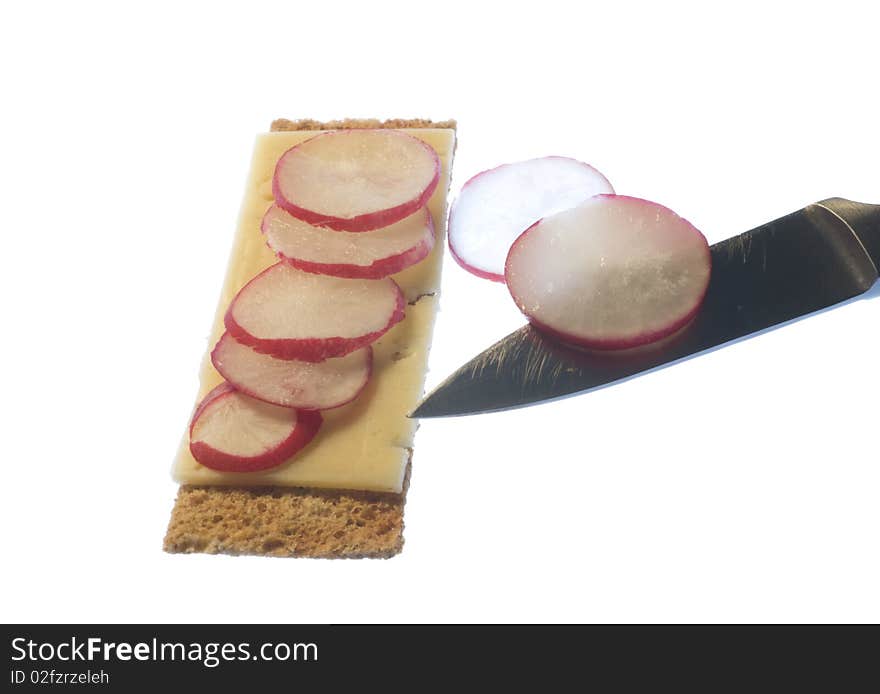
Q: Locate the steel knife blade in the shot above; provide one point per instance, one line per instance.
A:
(809, 260)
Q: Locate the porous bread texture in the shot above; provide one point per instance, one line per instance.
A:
(290, 521)
(282, 124)
(286, 522)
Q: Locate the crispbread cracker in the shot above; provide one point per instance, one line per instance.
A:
(290, 521)
(287, 522)
(282, 124)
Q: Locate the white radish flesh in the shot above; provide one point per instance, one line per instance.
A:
(611, 273)
(356, 180)
(293, 314)
(496, 206)
(289, 382)
(233, 432)
(369, 255)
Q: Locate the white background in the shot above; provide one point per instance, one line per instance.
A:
(739, 486)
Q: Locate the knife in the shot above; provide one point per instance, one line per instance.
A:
(814, 258)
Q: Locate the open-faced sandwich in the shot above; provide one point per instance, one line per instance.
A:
(300, 443)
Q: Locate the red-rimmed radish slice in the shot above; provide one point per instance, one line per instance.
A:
(233, 432)
(289, 382)
(613, 272)
(293, 314)
(367, 255)
(356, 180)
(496, 206)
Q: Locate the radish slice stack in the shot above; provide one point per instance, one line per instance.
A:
(349, 211)
(591, 268)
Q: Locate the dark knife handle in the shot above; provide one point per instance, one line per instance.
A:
(863, 219)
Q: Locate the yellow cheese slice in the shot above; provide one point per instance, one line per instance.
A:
(365, 444)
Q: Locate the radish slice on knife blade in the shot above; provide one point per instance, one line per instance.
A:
(356, 180)
(292, 314)
(496, 206)
(368, 255)
(233, 432)
(611, 273)
(289, 382)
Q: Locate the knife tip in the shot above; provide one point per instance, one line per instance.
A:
(421, 412)
(431, 407)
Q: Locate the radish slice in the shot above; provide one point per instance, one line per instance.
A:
(356, 180)
(612, 273)
(496, 206)
(233, 432)
(292, 314)
(367, 255)
(292, 383)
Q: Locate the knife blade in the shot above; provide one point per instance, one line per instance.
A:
(811, 259)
